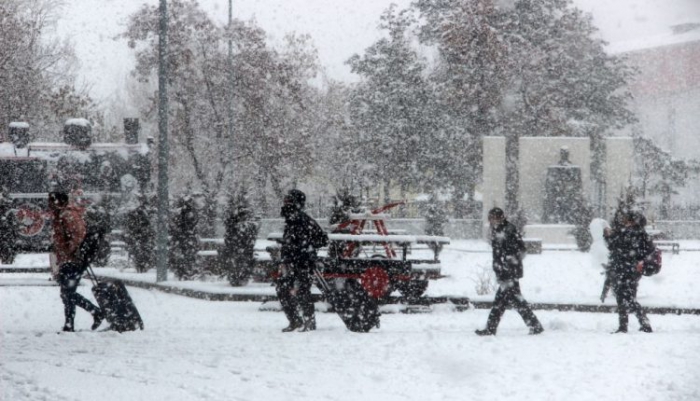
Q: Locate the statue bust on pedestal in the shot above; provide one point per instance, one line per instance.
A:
(563, 191)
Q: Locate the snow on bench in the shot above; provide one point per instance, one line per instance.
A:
(665, 245)
(397, 239)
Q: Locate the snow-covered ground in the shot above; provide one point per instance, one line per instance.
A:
(204, 350)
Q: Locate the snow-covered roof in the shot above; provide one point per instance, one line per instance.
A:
(78, 121)
(55, 150)
(663, 40)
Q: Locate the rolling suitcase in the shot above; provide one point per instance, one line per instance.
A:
(356, 308)
(116, 304)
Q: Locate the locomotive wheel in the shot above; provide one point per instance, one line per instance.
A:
(375, 281)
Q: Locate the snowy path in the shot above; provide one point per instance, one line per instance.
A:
(199, 350)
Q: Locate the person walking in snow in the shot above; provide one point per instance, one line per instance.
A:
(300, 241)
(629, 244)
(508, 252)
(68, 233)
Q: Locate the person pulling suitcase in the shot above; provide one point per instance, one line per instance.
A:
(68, 233)
(301, 239)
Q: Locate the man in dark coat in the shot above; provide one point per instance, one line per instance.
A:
(302, 237)
(508, 252)
(68, 233)
(629, 244)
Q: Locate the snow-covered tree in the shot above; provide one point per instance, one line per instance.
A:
(392, 107)
(37, 73)
(271, 126)
(534, 68)
(339, 145)
(472, 67)
(9, 229)
(470, 78)
(139, 235)
(184, 243)
(661, 173)
(435, 220)
(238, 253)
(561, 75)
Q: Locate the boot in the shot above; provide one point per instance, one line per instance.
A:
(622, 327)
(485, 332)
(293, 325)
(97, 318)
(309, 324)
(536, 330)
(68, 326)
(643, 321)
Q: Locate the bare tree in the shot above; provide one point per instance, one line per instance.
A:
(36, 73)
(270, 146)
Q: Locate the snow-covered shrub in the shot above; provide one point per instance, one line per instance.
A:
(184, 243)
(237, 257)
(435, 219)
(8, 230)
(485, 281)
(139, 236)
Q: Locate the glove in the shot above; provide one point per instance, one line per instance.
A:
(640, 266)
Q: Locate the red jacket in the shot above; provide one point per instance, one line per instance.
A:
(68, 233)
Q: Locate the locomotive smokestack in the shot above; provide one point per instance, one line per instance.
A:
(77, 132)
(18, 133)
(131, 130)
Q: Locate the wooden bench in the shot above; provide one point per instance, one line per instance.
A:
(666, 245)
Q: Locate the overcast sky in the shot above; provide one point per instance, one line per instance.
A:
(339, 28)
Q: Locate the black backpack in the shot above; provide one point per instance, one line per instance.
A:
(319, 238)
(652, 263)
(89, 248)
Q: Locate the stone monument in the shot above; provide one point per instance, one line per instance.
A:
(535, 156)
(563, 191)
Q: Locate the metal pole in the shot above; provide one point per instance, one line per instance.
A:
(162, 224)
(230, 80)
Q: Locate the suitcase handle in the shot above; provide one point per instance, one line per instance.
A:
(322, 281)
(92, 276)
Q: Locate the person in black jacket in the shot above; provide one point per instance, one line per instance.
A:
(302, 237)
(629, 244)
(508, 252)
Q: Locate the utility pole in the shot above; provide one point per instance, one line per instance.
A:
(230, 81)
(163, 195)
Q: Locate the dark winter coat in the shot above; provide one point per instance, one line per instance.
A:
(508, 251)
(302, 237)
(628, 246)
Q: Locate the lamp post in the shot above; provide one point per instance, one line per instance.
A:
(162, 223)
(230, 79)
